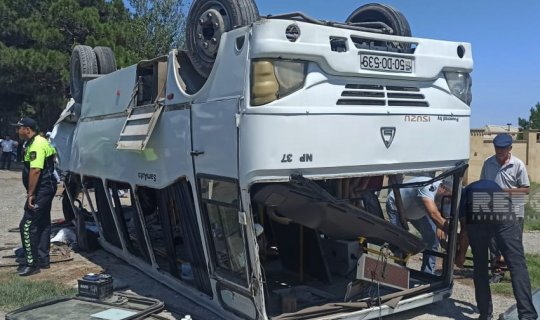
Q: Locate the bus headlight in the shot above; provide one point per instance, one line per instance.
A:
(460, 84)
(274, 79)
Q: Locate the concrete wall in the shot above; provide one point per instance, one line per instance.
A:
(528, 150)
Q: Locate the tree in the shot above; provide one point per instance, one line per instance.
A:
(37, 36)
(159, 26)
(534, 119)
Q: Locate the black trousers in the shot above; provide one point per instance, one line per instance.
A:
(35, 227)
(509, 241)
(494, 252)
(6, 158)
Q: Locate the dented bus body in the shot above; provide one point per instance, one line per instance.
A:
(257, 192)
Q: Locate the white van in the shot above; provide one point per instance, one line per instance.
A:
(255, 163)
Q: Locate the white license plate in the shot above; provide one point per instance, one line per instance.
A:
(386, 63)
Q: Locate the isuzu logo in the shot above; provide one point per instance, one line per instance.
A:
(387, 135)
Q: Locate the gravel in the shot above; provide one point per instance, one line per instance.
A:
(461, 305)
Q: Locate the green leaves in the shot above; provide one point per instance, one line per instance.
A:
(37, 36)
(534, 119)
(159, 24)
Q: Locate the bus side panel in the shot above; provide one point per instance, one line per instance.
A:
(166, 157)
(110, 93)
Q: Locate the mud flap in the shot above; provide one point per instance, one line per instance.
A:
(306, 203)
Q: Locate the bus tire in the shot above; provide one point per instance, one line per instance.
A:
(83, 61)
(207, 21)
(106, 61)
(373, 12)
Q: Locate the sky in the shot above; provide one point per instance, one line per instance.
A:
(505, 39)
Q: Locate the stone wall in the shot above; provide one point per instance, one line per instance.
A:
(528, 150)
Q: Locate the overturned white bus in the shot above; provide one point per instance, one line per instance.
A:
(255, 160)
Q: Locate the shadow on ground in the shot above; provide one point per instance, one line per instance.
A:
(127, 277)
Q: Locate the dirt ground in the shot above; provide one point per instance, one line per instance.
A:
(12, 196)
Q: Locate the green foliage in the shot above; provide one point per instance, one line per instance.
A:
(159, 25)
(532, 208)
(505, 286)
(534, 119)
(37, 36)
(16, 291)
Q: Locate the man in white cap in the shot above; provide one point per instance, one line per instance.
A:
(420, 209)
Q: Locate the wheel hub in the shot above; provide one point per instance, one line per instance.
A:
(210, 28)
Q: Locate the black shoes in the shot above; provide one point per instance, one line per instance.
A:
(25, 270)
(28, 271)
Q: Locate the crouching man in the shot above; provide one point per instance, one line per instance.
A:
(420, 209)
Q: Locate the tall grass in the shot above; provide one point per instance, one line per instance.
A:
(532, 208)
(505, 287)
(16, 291)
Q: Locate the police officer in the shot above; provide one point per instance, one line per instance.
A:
(487, 211)
(40, 184)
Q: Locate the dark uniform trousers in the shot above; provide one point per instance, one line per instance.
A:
(508, 237)
(35, 227)
(494, 251)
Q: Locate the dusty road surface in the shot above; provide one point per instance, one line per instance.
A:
(12, 196)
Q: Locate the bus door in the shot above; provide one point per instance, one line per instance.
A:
(215, 161)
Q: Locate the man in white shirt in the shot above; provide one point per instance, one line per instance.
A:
(510, 173)
(8, 147)
(420, 209)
